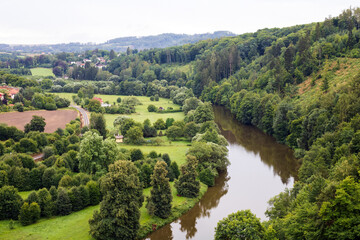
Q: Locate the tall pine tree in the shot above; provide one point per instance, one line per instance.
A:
(187, 185)
(159, 202)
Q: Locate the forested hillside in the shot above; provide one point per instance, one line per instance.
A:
(118, 44)
(299, 84)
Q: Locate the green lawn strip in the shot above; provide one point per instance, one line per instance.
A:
(24, 194)
(141, 117)
(76, 225)
(176, 150)
(73, 226)
(43, 72)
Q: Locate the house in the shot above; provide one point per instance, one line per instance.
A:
(102, 102)
(98, 99)
(119, 138)
(10, 91)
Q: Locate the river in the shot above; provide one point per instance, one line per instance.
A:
(260, 169)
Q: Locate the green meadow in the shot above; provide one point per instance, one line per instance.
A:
(75, 226)
(42, 72)
(141, 110)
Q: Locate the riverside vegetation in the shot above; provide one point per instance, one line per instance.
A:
(299, 84)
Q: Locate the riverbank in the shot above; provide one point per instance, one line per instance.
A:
(181, 205)
(76, 226)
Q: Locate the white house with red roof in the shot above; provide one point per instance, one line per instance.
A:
(10, 91)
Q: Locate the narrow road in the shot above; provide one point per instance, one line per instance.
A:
(83, 113)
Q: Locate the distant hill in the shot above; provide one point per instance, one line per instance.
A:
(118, 44)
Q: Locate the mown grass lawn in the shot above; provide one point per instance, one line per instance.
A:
(76, 225)
(176, 149)
(43, 72)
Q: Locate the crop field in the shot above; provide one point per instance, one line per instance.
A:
(54, 119)
(43, 72)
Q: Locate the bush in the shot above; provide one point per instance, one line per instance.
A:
(207, 176)
(63, 203)
(160, 124)
(240, 225)
(94, 192)
(152, 98)
(10, 203)
(19, 106)
(152, 108)
(136, 154)
(153, 154)
(29, 213)
(166, 158)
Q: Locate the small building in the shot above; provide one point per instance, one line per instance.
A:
(105, 105)
(10, 91)
(119, 138)
(98, 99)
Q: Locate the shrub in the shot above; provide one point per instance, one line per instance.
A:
(136, 154)
(94, 192)
(63, 203)
(153, 154)
(152, 108)
(10, 203)
(207, 176)
(29, 213)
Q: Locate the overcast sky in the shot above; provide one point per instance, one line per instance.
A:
(46, 21)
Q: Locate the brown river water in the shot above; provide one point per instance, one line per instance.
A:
(260, 169)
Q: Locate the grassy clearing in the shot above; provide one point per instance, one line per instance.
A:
(176, 150)
(43, 72)
(75, 225)
(141, 110)
(24, 195)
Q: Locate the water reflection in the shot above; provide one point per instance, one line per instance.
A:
(273, 154)
(260, 168)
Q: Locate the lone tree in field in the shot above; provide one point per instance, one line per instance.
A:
(119, 213)
(187, 185)
(37, 123)
(159, 203)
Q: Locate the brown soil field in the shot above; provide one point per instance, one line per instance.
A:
(54, 119)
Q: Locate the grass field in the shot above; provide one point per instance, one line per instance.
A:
(176, 149)
(76, 226)
(141, 110)
(43, 72)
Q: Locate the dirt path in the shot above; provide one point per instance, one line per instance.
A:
(54, 119)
